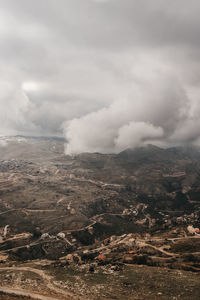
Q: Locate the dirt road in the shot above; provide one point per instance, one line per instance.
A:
(47, 278)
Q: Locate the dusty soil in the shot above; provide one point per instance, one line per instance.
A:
(151, 193)
(132, 282)
(6, 297)
(121, 283)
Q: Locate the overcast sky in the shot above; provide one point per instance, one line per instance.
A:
(106, 74)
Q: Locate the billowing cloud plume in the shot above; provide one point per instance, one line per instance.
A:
(106, 74)
(152, 113)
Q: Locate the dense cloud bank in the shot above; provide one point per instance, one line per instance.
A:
(106, 74)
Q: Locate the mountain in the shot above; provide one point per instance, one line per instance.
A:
(93, 210)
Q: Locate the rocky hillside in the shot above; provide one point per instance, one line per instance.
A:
(92, 216)
(139, 190)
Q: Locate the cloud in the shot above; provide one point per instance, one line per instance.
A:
(110, 74)
(152, 113)
(2, 143)
(136, 134)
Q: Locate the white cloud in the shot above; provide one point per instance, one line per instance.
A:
(101, 72)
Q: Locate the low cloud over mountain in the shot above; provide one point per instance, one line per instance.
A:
(105, 74)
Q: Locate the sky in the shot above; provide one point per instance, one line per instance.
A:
(105, 74)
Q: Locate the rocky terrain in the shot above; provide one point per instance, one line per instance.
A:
(98, 226)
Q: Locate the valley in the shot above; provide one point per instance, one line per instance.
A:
(108, 223)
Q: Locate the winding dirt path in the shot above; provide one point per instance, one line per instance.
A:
(159, 249)
(45, 277)
(19, 292)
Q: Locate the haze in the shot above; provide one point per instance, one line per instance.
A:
(106, 75)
